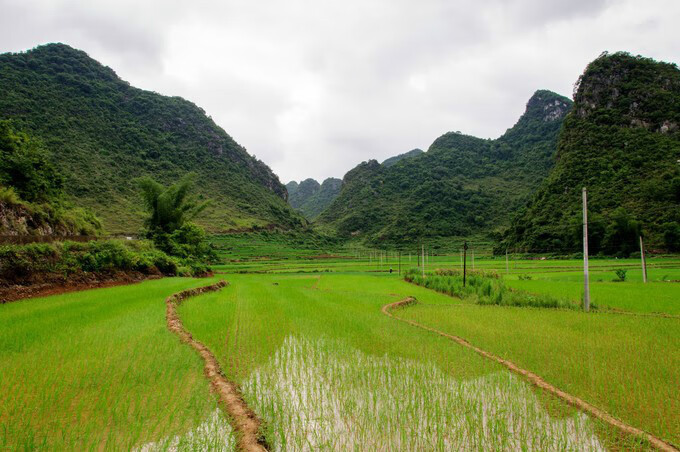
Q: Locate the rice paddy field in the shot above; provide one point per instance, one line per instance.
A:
(302, 331)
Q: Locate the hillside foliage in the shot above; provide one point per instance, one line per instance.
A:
(311, 198)
(462, 186)
(622, 142)
(392, 160)
(31, 191)
(103, 133)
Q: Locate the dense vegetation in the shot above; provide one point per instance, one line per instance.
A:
(462, 186)
(176, 246)
(483, 287)
(312, 198)
(622, 142)
(27, 264)
(168, 224)
(31, 191)
(103, 133)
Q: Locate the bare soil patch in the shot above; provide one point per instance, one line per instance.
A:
(243, 419)
(537, 381)
(54, 284)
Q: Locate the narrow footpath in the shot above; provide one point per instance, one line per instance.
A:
(243, 420)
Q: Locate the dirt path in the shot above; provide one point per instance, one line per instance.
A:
(243, 420)
(537, 381)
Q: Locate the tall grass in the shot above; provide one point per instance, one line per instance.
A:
(483, 287)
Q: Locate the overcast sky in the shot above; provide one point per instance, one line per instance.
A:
(313, 87)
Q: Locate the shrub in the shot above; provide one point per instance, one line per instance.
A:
(620, 275)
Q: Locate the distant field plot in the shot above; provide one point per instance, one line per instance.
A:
(98, 370)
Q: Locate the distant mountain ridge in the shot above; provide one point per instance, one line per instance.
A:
(461, 186)
(312, 198)
(622, 142)
(103, 133)
(392, 160)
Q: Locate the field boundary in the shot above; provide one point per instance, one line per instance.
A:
(243, 420)
(535, 380)
(15, 293)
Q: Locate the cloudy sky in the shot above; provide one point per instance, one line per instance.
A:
(313, 87)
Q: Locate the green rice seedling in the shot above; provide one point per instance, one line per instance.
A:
(98, 369)
(326, 395)
(627, 365)
(267, 329)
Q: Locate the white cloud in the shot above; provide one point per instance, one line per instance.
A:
(313, 87)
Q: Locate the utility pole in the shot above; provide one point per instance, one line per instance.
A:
(507, 263)
(399, 254)
(473, 259)
(644, 261)
(423, 258)
(465, 247)
(586, 278)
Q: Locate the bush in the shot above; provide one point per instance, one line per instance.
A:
(19, 262)
(620, 275)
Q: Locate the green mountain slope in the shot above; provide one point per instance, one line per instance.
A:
(461, 186)
(103, 133)
(622, 142)
(32, 199)
(312, 198)
(392, 160)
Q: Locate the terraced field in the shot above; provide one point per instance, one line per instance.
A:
(304, 337)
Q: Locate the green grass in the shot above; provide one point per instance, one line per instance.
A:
(653, 297)
(319, 362)
(313, 354)
(627, 365)
(98, 369)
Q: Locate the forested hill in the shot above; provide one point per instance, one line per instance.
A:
(622, 142)
(461, 186)
(103, 133)
(312, 198)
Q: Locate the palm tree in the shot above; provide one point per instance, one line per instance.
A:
(169, 207)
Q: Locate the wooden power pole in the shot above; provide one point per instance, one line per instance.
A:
(465, 247)
(399, 254)
(644, 261)
(586, 279)
(422, 259)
